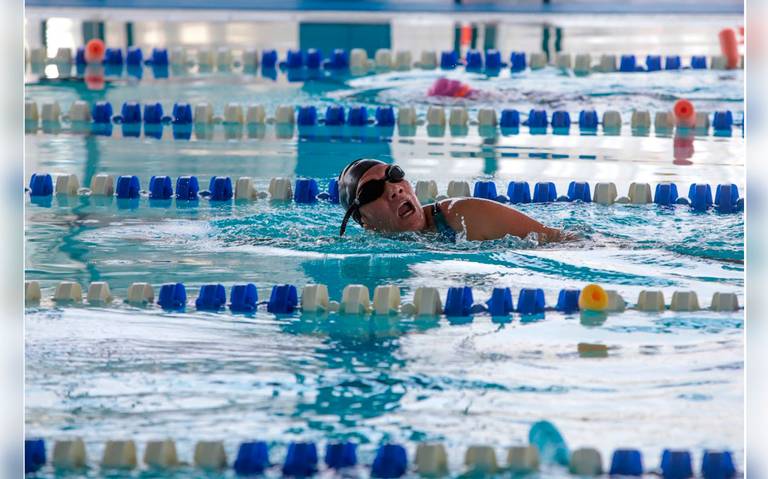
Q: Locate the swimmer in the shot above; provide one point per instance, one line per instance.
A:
(452, 88)
(376, 197)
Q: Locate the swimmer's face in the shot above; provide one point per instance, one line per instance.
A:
(397, 210)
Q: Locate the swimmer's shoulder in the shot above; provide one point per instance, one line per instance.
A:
(467, 206)
(457, 211)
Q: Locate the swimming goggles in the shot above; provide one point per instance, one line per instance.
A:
(369, 192)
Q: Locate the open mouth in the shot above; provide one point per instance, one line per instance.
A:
(406, 209)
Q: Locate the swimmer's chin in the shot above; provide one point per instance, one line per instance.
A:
(412, 224)
(404, 227)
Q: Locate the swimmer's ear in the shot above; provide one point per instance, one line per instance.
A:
(364, 224)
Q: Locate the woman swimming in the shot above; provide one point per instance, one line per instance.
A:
(376, 197)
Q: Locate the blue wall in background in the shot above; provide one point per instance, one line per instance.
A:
(327, 36)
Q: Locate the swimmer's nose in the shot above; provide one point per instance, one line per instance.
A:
(396, 192)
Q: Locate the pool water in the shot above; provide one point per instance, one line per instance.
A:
(669, 380)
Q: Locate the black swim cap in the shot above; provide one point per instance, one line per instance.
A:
(350, 177)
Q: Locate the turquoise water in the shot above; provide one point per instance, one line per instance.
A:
(670, 380)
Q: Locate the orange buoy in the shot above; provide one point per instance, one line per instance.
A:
(94, 51)
(729, 46)
(593, 298)
(685, 114)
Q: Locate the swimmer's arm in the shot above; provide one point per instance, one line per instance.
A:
(489, 220)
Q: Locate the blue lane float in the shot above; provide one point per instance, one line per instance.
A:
(561, 120)
(182, 114)
(500, 303)
(173, 296)
(626, 462)
(519, 192)
(676, 464)
(41, 184)
(544, 192)
(212, 297)
(243, 298)
(474, 60)
(358, 116)
(305, 191)
(653, 63)
(300, 460)
(252, 458)
(699, 62)
(537, 119)
(269, 59)
(493, 60)
(220, 188)
(306, 116)
(531, 301)
(333, 191)
(187, 188)
(341, 455)
(459, 301)
(159, 57)
(665, 194)
(700, 196)
(485, 189)
(334, 115)
(339, 60)
(102, 112)
(717, 465)
(34, 455)
(628, 63)
(293, 59)
(314, 59)
(727, 198)
(568, 301)
(672, 62)
(449, 60)
(510, 119)
(722, 120)
(385, 116)
(127, 187)
(130, 112)
(517, 61)
(160, 188)
(588, 120)
(113, 56)
(283, 299)
(153, 113)
(391, 461)
(579, 191)
(134, 57)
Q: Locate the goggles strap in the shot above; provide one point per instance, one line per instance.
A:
(354, 206)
